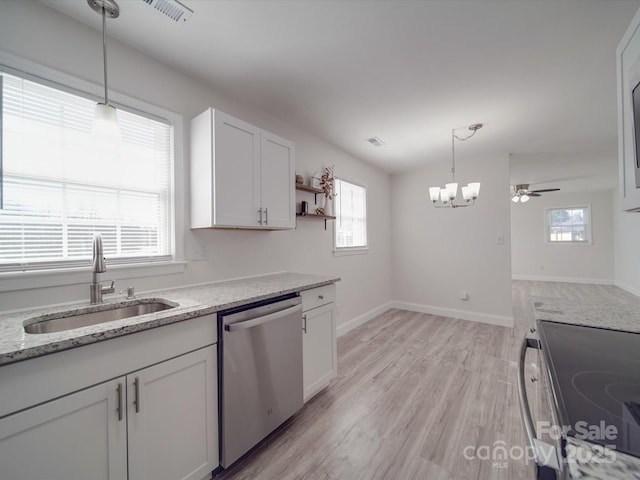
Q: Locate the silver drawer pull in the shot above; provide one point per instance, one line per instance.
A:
(136, 401)
(321, 297)
(119, 393)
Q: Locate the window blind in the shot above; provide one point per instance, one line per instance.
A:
(61, 185)
(351, 215)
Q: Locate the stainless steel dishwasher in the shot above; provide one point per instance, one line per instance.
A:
(260, 372)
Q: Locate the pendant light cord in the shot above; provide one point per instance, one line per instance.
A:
(474, 128)
(453, 155)
(104, 54)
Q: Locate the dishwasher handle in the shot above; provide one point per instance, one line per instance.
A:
(254, 322)
(546, 456)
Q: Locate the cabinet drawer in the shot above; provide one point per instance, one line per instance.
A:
(317, 297)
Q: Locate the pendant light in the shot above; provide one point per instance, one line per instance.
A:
(105, 122)
(446, 197)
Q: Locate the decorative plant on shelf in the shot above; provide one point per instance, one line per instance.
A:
(326, 184)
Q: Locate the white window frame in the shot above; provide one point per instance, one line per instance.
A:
(19, 280)
(359, 250)
(588, 228)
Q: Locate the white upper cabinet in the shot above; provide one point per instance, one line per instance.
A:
(241, 176)
(628, 64)
(277, 181)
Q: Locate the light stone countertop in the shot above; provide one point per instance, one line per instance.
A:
(614, 316)
(623, 316)
(193, 301)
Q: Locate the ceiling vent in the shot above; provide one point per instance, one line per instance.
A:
(171, 8)
(375, 141)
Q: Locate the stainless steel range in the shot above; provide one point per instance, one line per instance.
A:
(593, 376)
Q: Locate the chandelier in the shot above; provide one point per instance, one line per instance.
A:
(446, 197)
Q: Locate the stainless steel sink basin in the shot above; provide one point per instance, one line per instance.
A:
(67, 320)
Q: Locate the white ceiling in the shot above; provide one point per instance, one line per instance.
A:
(540, 74)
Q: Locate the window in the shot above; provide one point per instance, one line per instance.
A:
(568, 225)
(351, 216)
(59, 187)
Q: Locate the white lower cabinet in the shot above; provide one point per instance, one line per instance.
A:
(172, 409)
(319, 346)
(50, 441)
(157, 423)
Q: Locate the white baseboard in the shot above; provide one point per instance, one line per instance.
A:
(362, 319)
(500, 320)
(627, 288)
(542, 278)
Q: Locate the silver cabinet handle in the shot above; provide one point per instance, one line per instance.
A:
(119, 393)
(136, 401)
(545, 455)
(304, 323)
(260, 212)
(266, 216)
(254, 322)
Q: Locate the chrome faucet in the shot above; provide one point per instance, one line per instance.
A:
(96, 290)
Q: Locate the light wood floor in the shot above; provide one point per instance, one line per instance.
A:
(413, 392)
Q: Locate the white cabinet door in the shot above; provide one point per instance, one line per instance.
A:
(236, 170)
(277, 180)
(77, 437)
(319, 349)
(173, 418)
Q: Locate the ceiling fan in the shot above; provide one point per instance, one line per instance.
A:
(521, 192)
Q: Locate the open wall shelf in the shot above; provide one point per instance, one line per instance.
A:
(314, 216)
(307, 188)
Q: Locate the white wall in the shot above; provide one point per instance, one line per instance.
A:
(534, 259)
(627, 245)
(39, 34)
(438, 252)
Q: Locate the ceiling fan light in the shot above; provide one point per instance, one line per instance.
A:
(515, 198)
(524, 198)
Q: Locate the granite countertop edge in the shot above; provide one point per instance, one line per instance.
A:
(621, 315)
(193, 301)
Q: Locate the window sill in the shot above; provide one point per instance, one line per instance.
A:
(568, 243)
(350, 251)
(12, 281)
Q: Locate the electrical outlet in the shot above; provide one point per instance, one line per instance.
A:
(200, 252)
(463, 295)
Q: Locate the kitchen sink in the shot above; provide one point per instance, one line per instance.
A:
(69, 319)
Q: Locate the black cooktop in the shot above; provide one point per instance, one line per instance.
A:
(595, 376)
